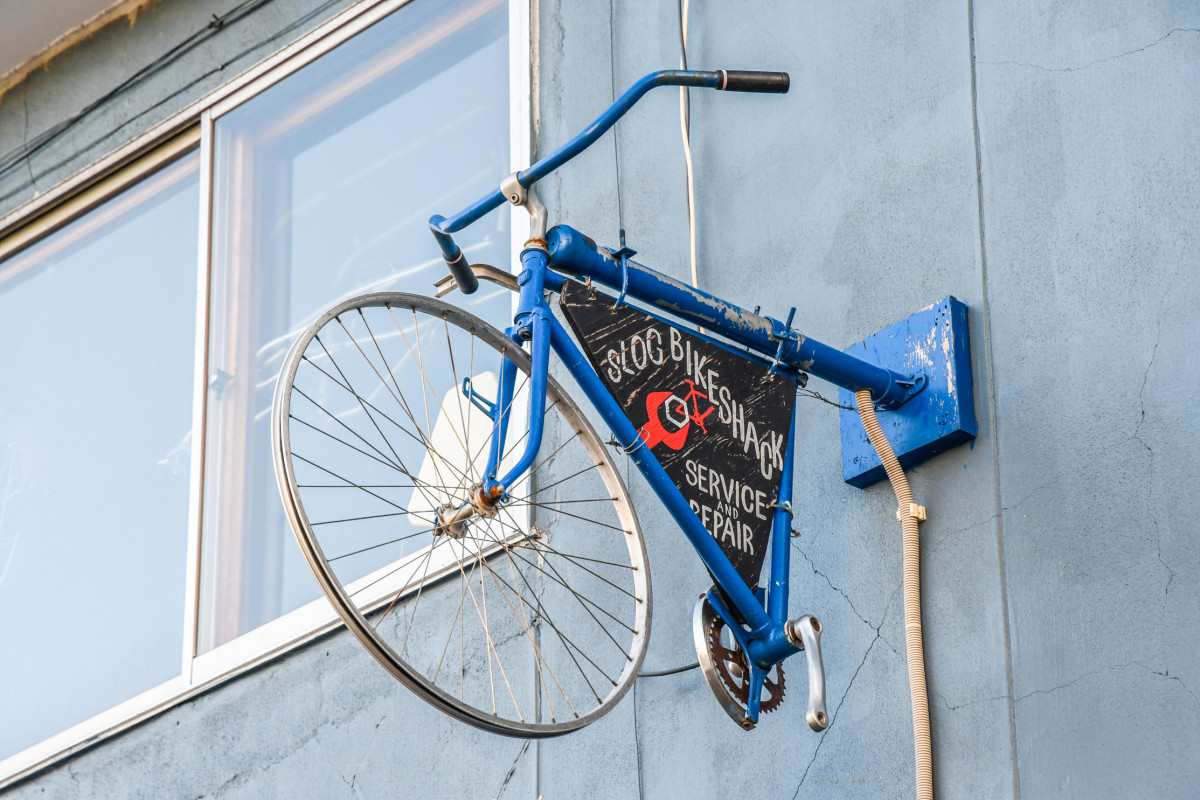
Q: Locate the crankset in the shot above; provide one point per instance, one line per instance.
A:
(727, 670)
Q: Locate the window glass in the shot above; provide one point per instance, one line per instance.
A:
(323, 187)
(98, 325)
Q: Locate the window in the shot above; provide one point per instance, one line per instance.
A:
(144, 553)
(324, 186)
(94, 456)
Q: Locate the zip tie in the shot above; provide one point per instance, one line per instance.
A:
(915, 511)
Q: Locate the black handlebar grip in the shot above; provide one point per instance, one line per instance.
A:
(460, 268)
(738, 80)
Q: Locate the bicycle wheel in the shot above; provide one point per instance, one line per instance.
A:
(530, 622)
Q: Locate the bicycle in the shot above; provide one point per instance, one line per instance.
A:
(472, 528)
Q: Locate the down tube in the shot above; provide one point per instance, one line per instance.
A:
(706, 547)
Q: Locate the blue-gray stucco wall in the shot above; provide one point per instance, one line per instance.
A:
(1039, 163)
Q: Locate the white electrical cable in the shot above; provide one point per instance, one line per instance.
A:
(685, 120)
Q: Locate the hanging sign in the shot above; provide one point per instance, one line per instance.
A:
(716, 421)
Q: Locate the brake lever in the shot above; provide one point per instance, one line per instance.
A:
(806, 634)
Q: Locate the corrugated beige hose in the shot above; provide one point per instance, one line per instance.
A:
(910, 514)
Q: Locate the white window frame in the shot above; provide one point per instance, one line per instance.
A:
(112, 174)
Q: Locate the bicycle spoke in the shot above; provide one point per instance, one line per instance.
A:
(569, 514)
(355, 433)
(349, 483)
(368, 404)
(556, 483)
(556, 503)
(569, 646)
(559, 580)
(416, 601)
(450, 634)
(388, 464)
(364, 405)
(572, 646)
(492, 645)
(374, 546)
(539, 659)
(392, 572)
(571, 557)
(364, 485)
(383, 382)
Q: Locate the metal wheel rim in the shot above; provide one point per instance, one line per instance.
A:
(346, 608)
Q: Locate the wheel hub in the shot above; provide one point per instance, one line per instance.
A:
(452, 520)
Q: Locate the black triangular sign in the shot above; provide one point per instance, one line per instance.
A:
(717, 421)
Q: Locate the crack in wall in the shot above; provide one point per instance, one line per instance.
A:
(833, 717)
(1137, 436)
(873, 626)
(1069, 683)
(513, 769)
(263, 762)
(948, 535)
(1167, 674)
(1090, 64)
(637, 743)
(353, 782)
(1112, 668)
(966, 703)
(812, 565)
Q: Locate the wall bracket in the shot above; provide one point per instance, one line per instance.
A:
(932, 342)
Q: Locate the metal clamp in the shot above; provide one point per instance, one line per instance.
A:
(525, 197)
(633, 446)
(623, 255)
(513, 191)
(630, 448)
(911, 510)
(783, 338)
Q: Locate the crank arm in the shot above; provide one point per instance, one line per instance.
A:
(805, 633)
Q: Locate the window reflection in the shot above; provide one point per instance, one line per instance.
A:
(323, 188)
(98, 326)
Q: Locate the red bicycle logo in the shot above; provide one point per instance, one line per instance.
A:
(672, 409)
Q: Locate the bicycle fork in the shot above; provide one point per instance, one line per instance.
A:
(532, 323)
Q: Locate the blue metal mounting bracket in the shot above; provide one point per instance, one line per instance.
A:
(933, 342)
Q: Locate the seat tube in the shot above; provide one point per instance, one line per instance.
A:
(781, 529)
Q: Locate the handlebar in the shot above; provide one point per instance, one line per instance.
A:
(725, 80)
(736, 80)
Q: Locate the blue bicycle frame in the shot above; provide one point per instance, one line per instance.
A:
(759, 620)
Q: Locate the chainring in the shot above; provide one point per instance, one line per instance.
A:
(726, 669)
